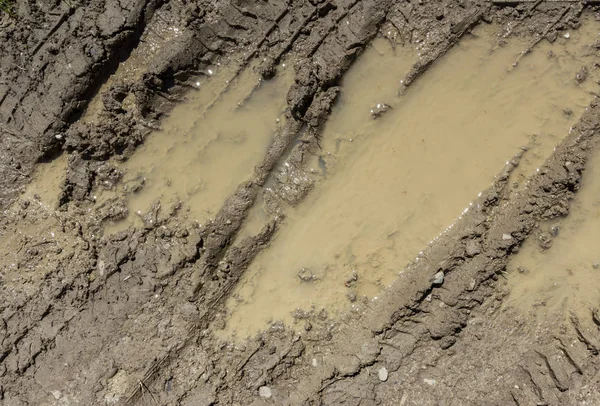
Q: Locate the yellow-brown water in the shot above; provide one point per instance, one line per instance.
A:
(200, 156)
(564, 278)
(39, 230)
(393, 184)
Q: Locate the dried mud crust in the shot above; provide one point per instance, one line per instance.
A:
(124, 319)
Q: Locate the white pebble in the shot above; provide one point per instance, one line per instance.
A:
(382, 374)
(265, 392)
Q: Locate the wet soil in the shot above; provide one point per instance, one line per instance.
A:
(385, 188)
(128, 317)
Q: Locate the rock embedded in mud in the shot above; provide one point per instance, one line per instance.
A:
(379, 110)
(472, 248)
(382, 374)
(438, 279)
(265, 392)
(582, 75)
(439, 14)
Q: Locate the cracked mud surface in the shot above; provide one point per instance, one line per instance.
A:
(91, 318)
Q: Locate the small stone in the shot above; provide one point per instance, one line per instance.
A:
(568, 112)
(379, 110)
(507, 237)
(472, 248)
(567, 35)
(223, 266)
(438, 279)
(582, 75)
(265, 392)
(382, 374)
(439, 14)
(596, 265)
(431, 382)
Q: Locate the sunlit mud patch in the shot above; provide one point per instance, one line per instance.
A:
(200, 156)
(392, 184)
(32, 238)
(158, 34)
(558, 270)
(44, 189)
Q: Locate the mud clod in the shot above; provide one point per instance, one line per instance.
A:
(306, 275)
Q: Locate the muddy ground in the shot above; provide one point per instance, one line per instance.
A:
(94, 319)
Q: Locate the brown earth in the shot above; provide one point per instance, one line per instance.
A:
(89, 319)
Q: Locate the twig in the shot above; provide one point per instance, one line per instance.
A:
(142, 387)
(15, 170)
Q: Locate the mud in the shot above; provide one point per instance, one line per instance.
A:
(124, 318)
(385, 188)
(554, 273)
(200, 158)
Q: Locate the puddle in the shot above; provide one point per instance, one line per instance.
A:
(200, 157)
(44, 189)
(563, 278)
(26, 243)
(393, 184)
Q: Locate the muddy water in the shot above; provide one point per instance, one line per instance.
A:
(393, 184)
(44, 189)
(565, 277)
(39, 230)
(200, 156)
